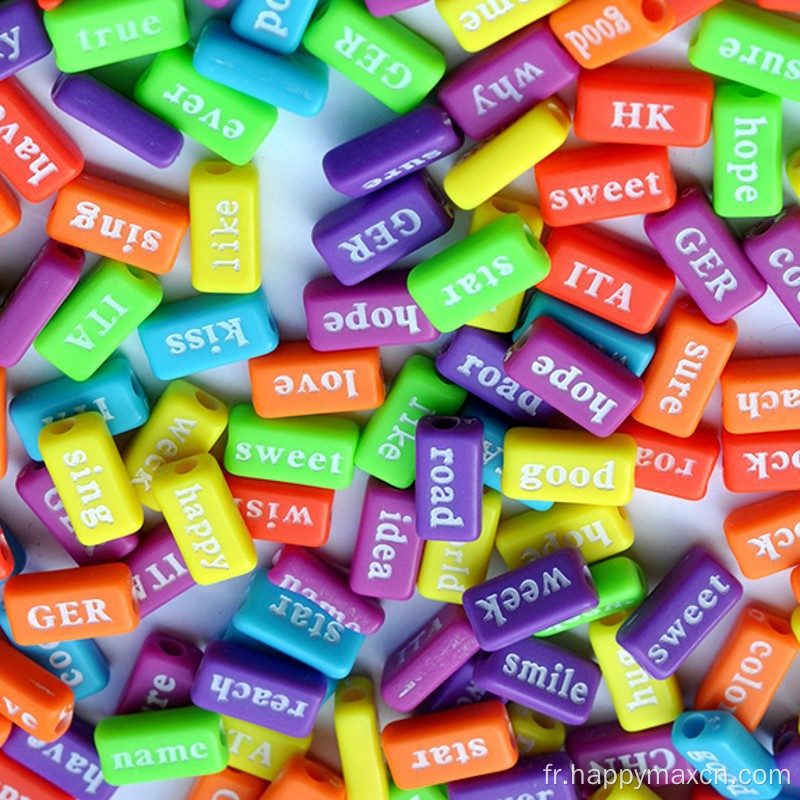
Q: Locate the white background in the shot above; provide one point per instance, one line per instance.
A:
(294, 195)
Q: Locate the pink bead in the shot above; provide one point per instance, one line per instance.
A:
(384, 8)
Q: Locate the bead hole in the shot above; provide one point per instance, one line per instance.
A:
(506, 206)
(783, 741)
(219, 168)
(352, 695)
(187, 465)
(62, 426)
(653, 10)
(171, 647)
(542, 721)
(444, 423)
(206, 400)
(316, 772)
(693, 726)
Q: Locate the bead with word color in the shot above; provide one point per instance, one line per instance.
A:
(239, 785)
(23, 39)
(761, 462)
(301, 777)
(276, 25)
(259, 751)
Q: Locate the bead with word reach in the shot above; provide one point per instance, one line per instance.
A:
(23, 39)
(260, 751)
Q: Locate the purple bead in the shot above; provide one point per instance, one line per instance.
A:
(449, 478)
(270, 691)
(388, 549)
(473, 359)
(425, 660)
(786, 747)
(158, 569)
(376, 313)
(691, 600)
(530, 598)
(24, 37)
(370, 233)
(117, 118)
(162, 675)
(386, 154)
(700, 249)
(296, 569)
(571, 375)
(458, 690)
(35, 487)
(543, 677)
(773, 247)
(492, 89)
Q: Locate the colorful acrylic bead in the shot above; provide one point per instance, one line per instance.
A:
(458, 690)
(535, 732)
(276, 26)
(25, 40)
(301, 777)
(25, 782)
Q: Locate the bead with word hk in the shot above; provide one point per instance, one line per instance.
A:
(260, 751)
(276, 25)
(691, 600)
(23, 40)
(761, 462)
(38, 157)
(392, 151)
(727, 755)
(706, 257)
(301, 777)
(199, 509)
(18, 781)
(535, 733)
(230, 781)
(67, 604)
(644, 106)
(206, 331)
(225, 234)
(117, 221)
(162, 675)
(384, 57)
(92, 482)
(530, 776)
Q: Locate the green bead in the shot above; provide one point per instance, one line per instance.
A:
(386, 449)
(311, 451)
(749, 45)
(100, 313)
(91, 33)
(747, 152)
(159, 746)
(478, 273)
(386, 59)
(427, 793)
(227, 122)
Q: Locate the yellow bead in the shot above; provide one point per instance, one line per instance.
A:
(260, 751)
(448, 569)
(501, 159)
(226, 246)
(793, 171)
(202, 515)
(92, 482)
(501, 318)
(185, 421)
(535, 733)
(568, 466)
(641, 701)
(597, 531)
(795, 622)
(359, 740)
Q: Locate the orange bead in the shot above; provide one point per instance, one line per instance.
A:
(604, 182)
(66, 604)
(37, 156)
(685, 10)
(33, 698)
(5, 730)
(294, 380)
(19, 783)
(6, 558)
(690, 356)
(761, 462)
(794, 579)
(230, 784)
(303, 779)
(117, 221)
(47, 5)
(679, 467)
(449, 745)
(10, 213)
(753, 661)
(792, 6)
(602, 275)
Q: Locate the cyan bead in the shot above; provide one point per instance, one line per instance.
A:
(278, 25)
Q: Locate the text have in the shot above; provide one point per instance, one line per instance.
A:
(24, 148)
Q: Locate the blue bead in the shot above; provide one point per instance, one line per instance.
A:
(632, 350)
(278, 25)
(207, 331)
(17, 550)
(113, 390)
(296, 82)
(297, 627)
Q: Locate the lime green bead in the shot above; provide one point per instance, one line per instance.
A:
(158, 746)
(91, 33)
(228, 123)
(475, 274)
(386, 59)
(311, 451)
(101, 311)
(749, 45)
(386, 448)
(426, 793)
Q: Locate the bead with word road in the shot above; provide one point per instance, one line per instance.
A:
(458, 690)
(23, 39)
(10, 213)
(225, 232)
(276, 25)
(708, 260)
(18, 781)
(206, 331)
(761, 462)
(260, 751)
(689, 602)
(535, 733)
(230, 783)
(301, 777)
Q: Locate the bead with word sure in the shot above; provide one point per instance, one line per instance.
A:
(24, 40)
(276, 25)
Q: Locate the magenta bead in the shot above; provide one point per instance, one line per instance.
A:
(25, 45)
(384, 8)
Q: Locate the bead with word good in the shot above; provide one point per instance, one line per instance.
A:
(225, 232)
(786, 749)
(259, 751)
(230, 783)
(691, 600)
(761, 462)
(123, 214)
(18, 781)
(10, 213)
(651, 106)
(276, 25)
(708, 260)
(391, 62)
(488, 167)
(297, 82)
(449, 568)
(535, 733)
(724, 752)
(458, 690)
(23, 39)
(206, 331)
(392, 151)
(301, 777)
(529, 777)
(691, 355)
